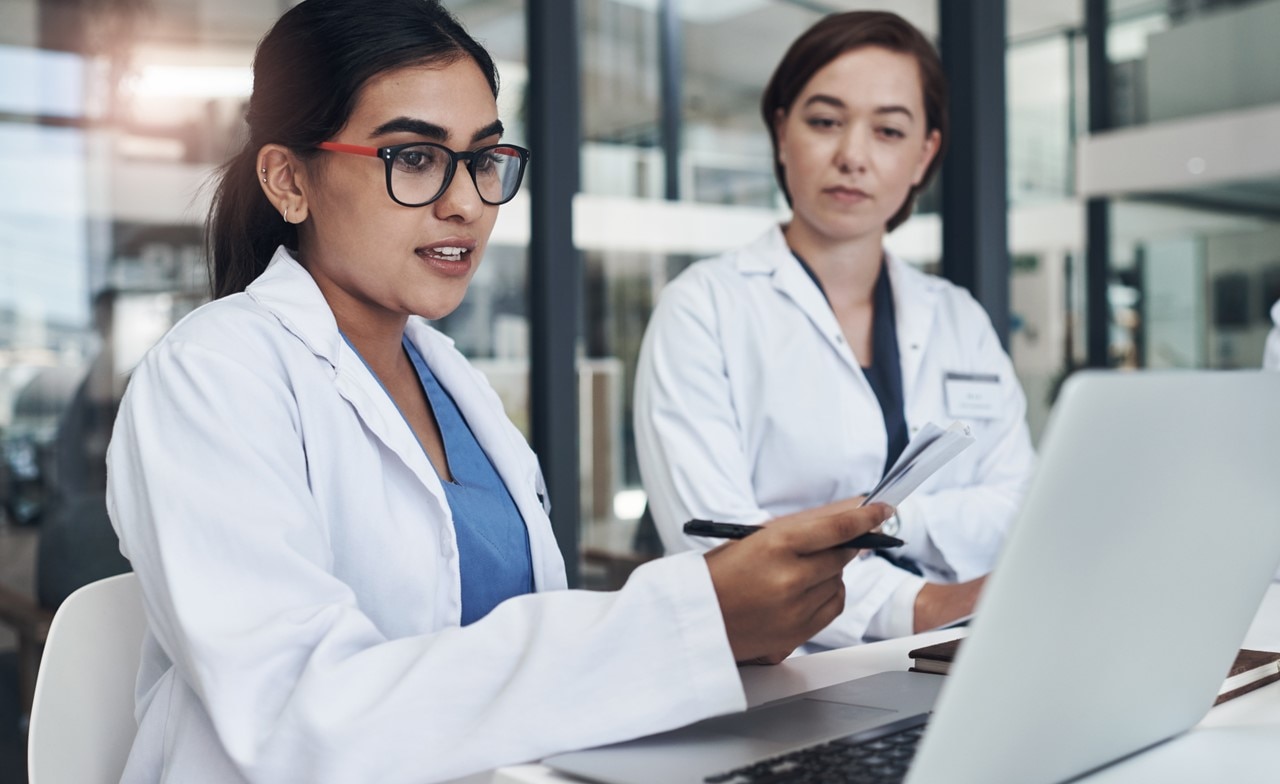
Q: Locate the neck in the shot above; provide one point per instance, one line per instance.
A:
(375, 333)
(848, 270)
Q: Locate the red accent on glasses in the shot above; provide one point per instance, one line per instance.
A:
(352, 148)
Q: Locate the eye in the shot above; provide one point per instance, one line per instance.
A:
(415, 160)
(486, 162)
(893, 133)
(821, 123)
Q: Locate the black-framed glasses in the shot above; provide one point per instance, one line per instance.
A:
(418, 173)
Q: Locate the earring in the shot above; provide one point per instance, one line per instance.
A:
(286, 214)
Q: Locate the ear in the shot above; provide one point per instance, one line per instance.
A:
(930, 149)
(283, 180)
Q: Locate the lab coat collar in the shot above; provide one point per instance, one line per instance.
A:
(290, 294)
(770, 255)
(914, 298)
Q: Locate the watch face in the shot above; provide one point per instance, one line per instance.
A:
(891, 525)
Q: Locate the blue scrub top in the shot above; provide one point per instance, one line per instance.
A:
(493, 544)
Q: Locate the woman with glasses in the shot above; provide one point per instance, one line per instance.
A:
(342, 541)
(796, 369)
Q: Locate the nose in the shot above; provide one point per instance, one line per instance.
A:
(853, 150)
(460, 202)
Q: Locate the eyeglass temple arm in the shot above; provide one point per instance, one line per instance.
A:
(351, 148)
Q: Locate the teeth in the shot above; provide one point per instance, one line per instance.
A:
(448, 251)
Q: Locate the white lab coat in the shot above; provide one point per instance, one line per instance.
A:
(1271, 358)
(300, 575)
(750, 405)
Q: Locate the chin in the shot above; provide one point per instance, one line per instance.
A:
(435, 309)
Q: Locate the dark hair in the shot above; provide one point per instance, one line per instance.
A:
(307, 75)
(835, 35)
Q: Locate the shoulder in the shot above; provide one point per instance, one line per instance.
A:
(228, 341)
(727, 278)
(235, 325)
(955, 302)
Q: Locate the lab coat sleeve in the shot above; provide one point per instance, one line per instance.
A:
(688, 441)
(967, 524)
(209, 493)
(692, 458)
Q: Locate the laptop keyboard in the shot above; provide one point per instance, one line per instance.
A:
(876, 756)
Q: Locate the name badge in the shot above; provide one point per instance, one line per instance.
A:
(972, 395)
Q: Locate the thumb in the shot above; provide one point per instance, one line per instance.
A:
(832, 528)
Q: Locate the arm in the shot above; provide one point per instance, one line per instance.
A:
(210, 491)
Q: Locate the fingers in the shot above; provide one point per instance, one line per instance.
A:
(825, 528)
(827, 602)
(769, 658)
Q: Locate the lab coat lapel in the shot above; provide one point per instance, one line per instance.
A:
(291, 295)
(771, 255)
(483, 412)
(357, 384)
(914, 304)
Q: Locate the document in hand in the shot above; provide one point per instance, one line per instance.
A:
(930, 450)
(1250, 670)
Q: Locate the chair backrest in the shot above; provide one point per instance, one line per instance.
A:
(82, 718)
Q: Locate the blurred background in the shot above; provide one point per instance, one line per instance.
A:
(1138, 199)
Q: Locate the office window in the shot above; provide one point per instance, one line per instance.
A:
(1194, 215)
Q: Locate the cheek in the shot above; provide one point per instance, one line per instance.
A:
(800, 164)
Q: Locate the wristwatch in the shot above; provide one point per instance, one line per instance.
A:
(891, 526)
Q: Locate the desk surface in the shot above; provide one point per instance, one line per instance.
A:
(1236, 741)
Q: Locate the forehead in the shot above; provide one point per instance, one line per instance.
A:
(868, 75)
(454, 95)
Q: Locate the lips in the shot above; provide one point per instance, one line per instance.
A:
(451, 256)
(847, 193)
(445, 253)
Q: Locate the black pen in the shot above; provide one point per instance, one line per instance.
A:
(867, 541)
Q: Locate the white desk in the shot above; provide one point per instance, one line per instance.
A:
(1236, 741)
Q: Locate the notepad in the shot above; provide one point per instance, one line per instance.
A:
(931, 449)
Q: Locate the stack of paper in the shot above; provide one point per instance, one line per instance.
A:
(930, 450)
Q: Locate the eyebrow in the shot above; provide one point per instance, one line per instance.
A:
(831, 100)
(431, 130)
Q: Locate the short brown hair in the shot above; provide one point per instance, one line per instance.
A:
(835, 35)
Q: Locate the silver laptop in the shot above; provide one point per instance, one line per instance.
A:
(1145, 544)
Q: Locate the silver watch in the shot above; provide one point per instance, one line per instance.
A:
(891, 526)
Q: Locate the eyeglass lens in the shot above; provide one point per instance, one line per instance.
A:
(418, 173)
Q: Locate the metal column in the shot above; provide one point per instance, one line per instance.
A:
(975, 245)
(555, 269)
(1097, 210)
(671, 53)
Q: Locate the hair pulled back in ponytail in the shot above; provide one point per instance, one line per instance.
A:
(307, 76)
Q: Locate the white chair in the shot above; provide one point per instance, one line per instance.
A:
(82, 722)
